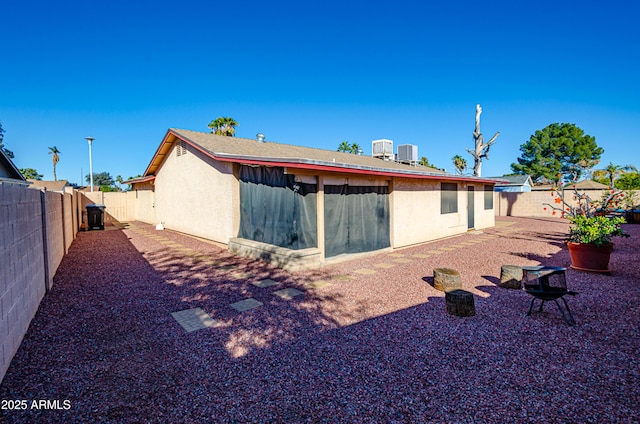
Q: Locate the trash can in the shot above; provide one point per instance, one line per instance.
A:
(95, 217)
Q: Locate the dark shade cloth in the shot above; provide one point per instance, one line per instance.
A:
(356, 219)
(275, 209)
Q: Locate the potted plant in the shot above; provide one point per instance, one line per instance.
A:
(589, 241)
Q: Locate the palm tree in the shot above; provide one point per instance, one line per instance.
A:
(54, 159)
(355, 148)
(223, 126)
(611, 172)
(460, 163)
(344, 147)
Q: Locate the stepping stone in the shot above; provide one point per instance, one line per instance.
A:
(448, 248)
(288, 293)
(242, 275)
(194, 319)
(365, 271)
(245, 305)
(402, 261)
(421, 255)
(397, 255)
(265, 283)
(226, 267)
(384, 265)
(318, 284)
(343, 277)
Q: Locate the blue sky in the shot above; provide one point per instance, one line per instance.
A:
(314, 74)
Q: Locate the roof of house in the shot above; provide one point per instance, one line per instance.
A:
(581, 185)
(249, 151)
(8, 170)
(140, 180)
(514, 180)
(49, 185)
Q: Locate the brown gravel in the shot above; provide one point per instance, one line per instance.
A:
(373, 348)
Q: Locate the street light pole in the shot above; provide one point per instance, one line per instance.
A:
(90, 140)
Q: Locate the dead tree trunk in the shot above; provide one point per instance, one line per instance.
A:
(482, 148)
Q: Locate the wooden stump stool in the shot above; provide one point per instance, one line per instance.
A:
(460, 303)
(446, 279)
(510, 276)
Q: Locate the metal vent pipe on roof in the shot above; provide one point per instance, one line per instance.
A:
(260, 137)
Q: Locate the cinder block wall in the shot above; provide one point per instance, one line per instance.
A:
(22, 266)
(36, 230)
(533, 203)
(69, 219)
(55, 247)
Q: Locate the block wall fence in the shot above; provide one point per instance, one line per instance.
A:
(532, 203)
(36, 230)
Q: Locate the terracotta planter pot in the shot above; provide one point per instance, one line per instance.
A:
(589, 257)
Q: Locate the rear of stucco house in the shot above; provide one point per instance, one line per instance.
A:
(299, 207)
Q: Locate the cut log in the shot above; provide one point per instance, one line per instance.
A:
(446, 279)
(460, 303)
(510, 276)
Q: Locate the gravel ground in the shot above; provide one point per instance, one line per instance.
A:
(370, 348)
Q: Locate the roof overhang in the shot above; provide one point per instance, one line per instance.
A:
(140, 180)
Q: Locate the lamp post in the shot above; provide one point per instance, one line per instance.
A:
(90, 140)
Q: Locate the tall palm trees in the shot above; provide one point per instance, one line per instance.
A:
(460, 163)
(344, 147)
(349, 148)
(612, 172)
(223, 126)
(54, 159)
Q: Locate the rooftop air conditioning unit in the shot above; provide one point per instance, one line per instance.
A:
(407, 153)
(382, 149)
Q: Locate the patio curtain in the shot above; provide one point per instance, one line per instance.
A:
(277, 209)
(356, 219)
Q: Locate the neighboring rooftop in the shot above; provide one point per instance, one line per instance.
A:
(8, 170)
(513, 180)
(48, 185)
(581, 185)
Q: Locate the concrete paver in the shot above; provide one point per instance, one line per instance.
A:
(193, 319)
(288, 293)
(265, 283)
(245, 305)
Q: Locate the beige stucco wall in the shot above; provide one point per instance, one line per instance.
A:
(484, 218)
(145, 206)
(197, 195)
(416, 217)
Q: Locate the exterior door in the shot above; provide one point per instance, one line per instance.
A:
(470, 207)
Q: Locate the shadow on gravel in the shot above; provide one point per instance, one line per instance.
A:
(105, 340)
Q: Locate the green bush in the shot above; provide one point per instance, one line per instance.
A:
(596, 230)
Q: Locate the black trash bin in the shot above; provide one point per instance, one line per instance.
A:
(95, 217)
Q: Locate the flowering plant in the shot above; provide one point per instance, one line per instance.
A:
(583, 205)
(590, 225)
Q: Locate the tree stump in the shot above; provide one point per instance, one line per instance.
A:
(510, 276)
(460, 303)
(446, 279)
